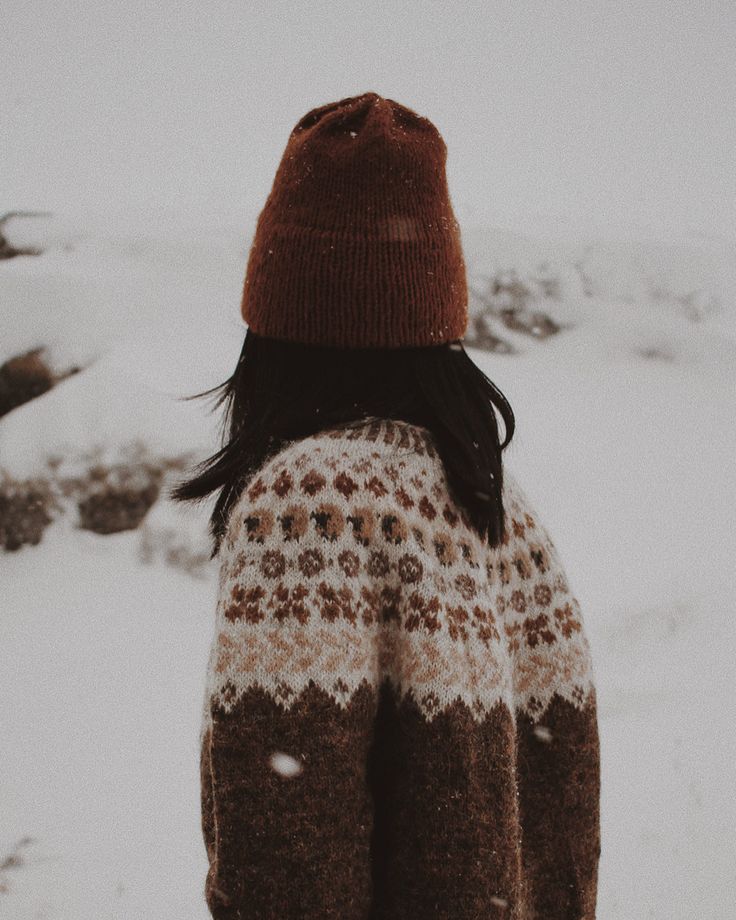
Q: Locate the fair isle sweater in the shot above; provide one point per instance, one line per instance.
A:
(399, 722)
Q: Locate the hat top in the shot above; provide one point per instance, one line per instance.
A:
(368, 114)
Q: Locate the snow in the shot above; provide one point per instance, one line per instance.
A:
(285, 764)
(101, 678)
(625, 441)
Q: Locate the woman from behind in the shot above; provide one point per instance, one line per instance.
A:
(400, 715)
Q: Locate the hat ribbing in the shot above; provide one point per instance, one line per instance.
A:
(357, 244)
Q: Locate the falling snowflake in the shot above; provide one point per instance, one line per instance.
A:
(543, 733)
(285, 765)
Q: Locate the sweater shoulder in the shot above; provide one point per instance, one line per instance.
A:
(331, 478)
(381, 463)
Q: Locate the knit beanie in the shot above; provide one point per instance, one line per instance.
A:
(357, 244)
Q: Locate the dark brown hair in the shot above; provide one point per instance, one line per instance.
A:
(281, 391)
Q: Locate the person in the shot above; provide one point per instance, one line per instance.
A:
(399, 717)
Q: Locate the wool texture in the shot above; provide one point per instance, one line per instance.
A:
(357, 244)
(399, 721)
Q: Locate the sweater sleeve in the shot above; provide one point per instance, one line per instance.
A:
(286, 811)
(215, 898)
(558, 757)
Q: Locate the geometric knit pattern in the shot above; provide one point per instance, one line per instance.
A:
(436, 696)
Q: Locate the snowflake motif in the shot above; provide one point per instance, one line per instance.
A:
(566, 620)
(375, 486)
(423, 613)
(283, 484)
(257, 489)
(312, 483)
(537, 629)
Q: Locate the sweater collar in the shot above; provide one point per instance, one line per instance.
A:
(390, 431)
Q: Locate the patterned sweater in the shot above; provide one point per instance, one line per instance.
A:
(399, 722)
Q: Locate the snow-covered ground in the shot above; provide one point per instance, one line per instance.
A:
(626, 433)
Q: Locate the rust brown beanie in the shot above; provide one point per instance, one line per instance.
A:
(357, 244)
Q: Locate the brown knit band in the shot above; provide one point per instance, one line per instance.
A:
(357, 244)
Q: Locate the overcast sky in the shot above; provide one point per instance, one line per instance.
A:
(611, 116)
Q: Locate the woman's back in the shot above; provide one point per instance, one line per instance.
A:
(400, 717)
(432, 698)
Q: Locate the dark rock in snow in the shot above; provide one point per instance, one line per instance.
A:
(23, 378)
(25, 508)
(117, 498)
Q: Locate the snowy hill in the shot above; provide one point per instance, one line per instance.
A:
(626, 432)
